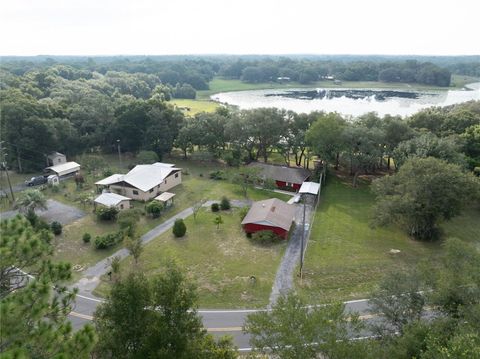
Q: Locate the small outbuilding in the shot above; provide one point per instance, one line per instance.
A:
(310, 188)
(56, 158)
(112, 200)
(166, 198)
(286, 178)
(64, 169)
(269, 215)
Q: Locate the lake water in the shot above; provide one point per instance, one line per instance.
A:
(348, 101)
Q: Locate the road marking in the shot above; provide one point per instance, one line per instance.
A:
(80, 315)
(227, 329)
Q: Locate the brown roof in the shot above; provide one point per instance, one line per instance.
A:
(271, 212)
(282, 173)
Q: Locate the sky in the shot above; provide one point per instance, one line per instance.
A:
(159, 27)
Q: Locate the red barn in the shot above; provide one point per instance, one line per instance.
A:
(286, 178)
(269, 215)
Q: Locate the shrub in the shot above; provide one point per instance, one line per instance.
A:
(127, 221)
(225, 204)
(217, 175)
(231, 160)
(86, 237)
(56, 228)
(243, 212)
(154, 208)
(147, 157)
(179, 228)
(107, 172)
(265, 237)
(107, 213)
(215, 207)
(108, 240)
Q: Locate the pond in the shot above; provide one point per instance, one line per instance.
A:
(348, 101)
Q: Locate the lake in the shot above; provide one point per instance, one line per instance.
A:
(348, 101)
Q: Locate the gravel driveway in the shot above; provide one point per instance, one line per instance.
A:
(56, 211)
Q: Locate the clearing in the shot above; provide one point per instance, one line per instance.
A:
(346, 258)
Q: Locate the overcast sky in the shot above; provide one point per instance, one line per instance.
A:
(158, 27)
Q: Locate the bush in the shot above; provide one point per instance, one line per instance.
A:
(154, 208)
(56, 228)
(225, 204)
(217, 175)
(243, 212)
(265, 237)
(147, 157)
(215, 207)
(127, 221)
(86, 237)
(108, 240)
(107, 213)
(179, 228)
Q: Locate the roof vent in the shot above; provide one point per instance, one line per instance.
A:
(273, 209)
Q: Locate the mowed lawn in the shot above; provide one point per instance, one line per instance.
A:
(346, 257)
(192, 107)
(220, 261)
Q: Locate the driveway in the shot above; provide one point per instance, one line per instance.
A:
(56, 211)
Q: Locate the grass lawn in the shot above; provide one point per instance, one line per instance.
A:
(220, 261)
(219, 84)
(346, 257)
(192, 107)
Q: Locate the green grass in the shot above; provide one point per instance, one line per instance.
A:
(226, 85)
(192, 107)
(220, 261)
(346, 258)
(462, 80)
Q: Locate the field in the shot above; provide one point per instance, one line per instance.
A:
(346, 257)
(192, 107)
(220, 261)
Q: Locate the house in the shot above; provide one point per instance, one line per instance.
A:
(144, 182)
(269, 215)
(64, 169)
(112, 200)
(56, 158)
(286, 178)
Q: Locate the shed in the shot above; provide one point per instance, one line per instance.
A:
(269, 215)
(310, 188)
(113, 200)
(64, 169)
(166, 198)
(56, 158)
(286, 178)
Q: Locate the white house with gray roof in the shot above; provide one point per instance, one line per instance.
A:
(144, 182)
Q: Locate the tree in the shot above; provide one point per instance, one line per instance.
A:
(398, 299)
(422, 193)
(179, 228)
(245, 177)
(30, 200)
(155, 318)
(196, 208)
(127, 221)
(293, 330)
(154, 208)
(147, 157)
(218, 220)
(325, 137)
(135, 247)
(34, 310)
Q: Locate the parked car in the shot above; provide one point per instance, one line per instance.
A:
(35, 181)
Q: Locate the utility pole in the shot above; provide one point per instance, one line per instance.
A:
(303, 236)
(119, 153)
(4, 165)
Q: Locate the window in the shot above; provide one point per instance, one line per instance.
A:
(121, 206)
(165, 181)
(135, 192)
(176, 175)
(151, 190)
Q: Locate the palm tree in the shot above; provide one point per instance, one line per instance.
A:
(30, 200)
